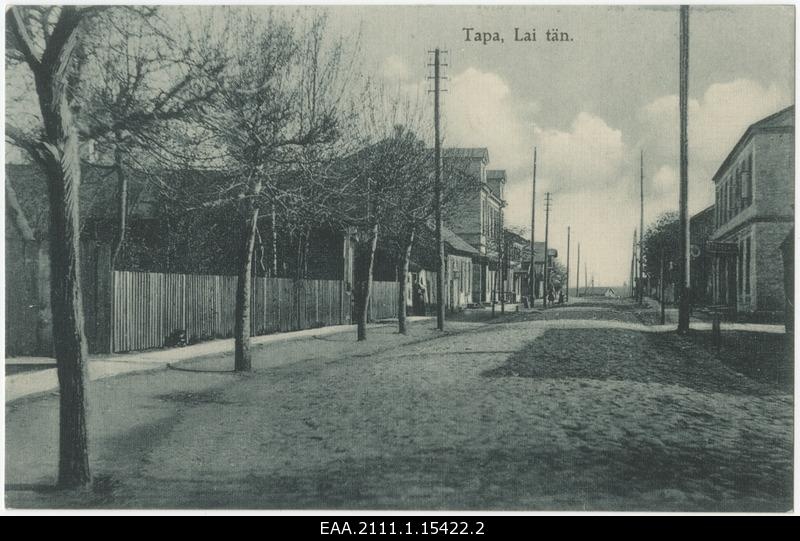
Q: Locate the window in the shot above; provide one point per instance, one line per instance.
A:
(747, 175)
(725, 202)
(730, 199)
(740, 258)
(747, 266)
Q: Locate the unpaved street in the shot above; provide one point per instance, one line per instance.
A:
(523, 413)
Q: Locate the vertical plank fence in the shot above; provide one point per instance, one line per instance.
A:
(148, 307)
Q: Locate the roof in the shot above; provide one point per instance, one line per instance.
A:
(496, 174)
(538, 248)
(705, 214)
(782, 121)
(97, 193)
(457, 243)
(473, 153)
(452, 240)
(516, 237)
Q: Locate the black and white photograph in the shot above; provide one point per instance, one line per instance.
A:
(400, 258)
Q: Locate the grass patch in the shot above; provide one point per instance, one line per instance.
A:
(764, 357)
(624, 355)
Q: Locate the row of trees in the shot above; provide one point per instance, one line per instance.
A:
(660, 247)
(265, 108)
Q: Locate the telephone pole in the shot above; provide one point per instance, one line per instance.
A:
(533, 227)
(634, 285)
(578, 274)
(567, 277)
(683, 306)
(641, 227)
(437, 191)
(547, 202)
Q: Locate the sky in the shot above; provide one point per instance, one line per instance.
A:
(589, 105)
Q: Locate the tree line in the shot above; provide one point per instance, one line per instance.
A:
(275, 117)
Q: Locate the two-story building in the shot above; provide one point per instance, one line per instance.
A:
(753, 215)
(478, 217)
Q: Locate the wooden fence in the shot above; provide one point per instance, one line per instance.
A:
(149, 307)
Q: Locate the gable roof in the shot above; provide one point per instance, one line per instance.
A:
(457, 243)
(97, 193)
(481, 153)
(538, 248)
(451, 239)
(782, 121)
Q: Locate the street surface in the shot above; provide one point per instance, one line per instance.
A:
(582, 407)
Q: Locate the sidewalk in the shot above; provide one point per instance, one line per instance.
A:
(106, 366)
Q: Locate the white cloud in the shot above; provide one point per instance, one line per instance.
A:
(716, 121)
(478, 111)
(591, 167)
(584, 167)
(588, 157)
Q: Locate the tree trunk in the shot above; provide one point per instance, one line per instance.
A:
(306, 243)
(301, 272)
(242, 358)
(122, 206)
(58, 154)
(69, 341)
(274, 234)
(364, 260)
(401, 301)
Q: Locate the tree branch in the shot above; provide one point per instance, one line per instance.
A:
(23, 39)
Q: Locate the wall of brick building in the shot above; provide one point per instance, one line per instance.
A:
(768, 236)
(767, 221)
(773, 179)
(773, 195)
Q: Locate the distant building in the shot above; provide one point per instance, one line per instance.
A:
(753, 215)
(701, 228)
(519, 250)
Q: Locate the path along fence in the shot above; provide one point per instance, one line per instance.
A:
(147, 308)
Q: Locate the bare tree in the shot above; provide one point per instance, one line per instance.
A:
(107, 75)
(140, 78)
(47, 39)
(371, 185)
(270, 110)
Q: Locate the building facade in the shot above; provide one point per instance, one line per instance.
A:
(753, 215)
(478, 217)
(701, 228)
